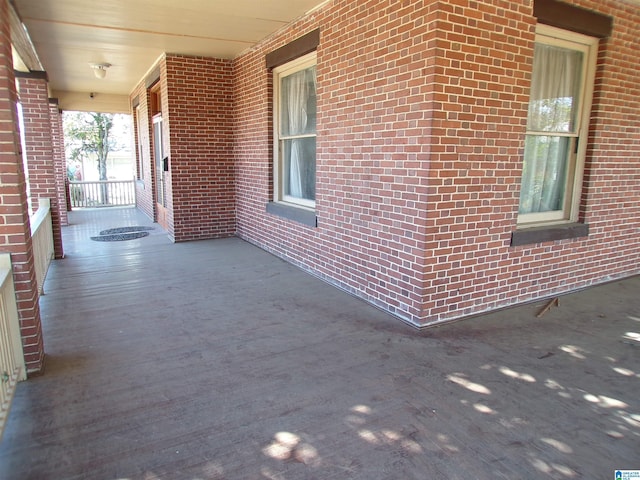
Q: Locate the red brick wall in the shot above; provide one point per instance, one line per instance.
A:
(478, 110)
(39, 150)
(197, 110)
(421, 122)
(611, 199)
(60, 162)
(39, 146)
(369, 162)
(166, 139)
(15, 234)
(199, 105)
(145, 187)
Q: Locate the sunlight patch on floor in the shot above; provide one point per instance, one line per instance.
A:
(484, 409)
(575, 352)
(553, 385)
(624, 371)
(361, 409)
(604, 401)
(518, 375)
(459, 379)
(287, 446)
(552, 468)
(631, 419)
(557, 444)
(446, 443)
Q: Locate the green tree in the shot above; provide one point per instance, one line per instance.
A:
(87, 136)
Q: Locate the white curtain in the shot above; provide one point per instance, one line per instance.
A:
(544, 174)
(554, 89)
(296, 94)
(555, 86)
(297, 89)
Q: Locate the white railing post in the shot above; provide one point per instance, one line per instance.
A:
(120, 193)
(135, 191)
(12, 367)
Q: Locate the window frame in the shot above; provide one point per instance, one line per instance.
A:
(549, 35)
(301, 63)
(158, 154)
(140, 150)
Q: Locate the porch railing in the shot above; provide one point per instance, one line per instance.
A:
(12, 368)
(42, 241)
(103, 193)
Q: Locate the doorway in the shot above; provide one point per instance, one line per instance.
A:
(162, 167)
(160, 159)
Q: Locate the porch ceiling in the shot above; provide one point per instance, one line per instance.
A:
(131, 35)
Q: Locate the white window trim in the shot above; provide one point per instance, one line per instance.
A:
(288, 68)
(589, 46)
(141, 162)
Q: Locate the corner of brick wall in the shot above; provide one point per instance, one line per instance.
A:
(421, 123)
(199, 114)
(145, 187)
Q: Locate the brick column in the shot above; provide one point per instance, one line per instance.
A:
(59, 160)
(15, 230)
(34, 97)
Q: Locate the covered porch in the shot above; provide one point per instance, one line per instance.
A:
(216, 360)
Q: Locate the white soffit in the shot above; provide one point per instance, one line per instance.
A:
(68, 35)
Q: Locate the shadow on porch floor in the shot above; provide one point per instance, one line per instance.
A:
(215, 360)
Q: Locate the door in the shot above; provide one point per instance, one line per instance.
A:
(161, 164)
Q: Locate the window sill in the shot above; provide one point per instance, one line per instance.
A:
(548, 233)
(300, 215)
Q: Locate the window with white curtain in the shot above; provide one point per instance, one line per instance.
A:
(557, 126)
(295, 132)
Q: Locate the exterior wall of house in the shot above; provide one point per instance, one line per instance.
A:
(166, 141)
(200, 133)
(145, 187)
(15, 232)
(60, 163)
(39, 149)
(142, 145)
(480, 82)
(371, 154)
(422, 112)
(197, 110)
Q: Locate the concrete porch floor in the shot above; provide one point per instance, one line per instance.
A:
(215, 360)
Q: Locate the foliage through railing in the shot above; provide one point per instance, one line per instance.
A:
(103, 193)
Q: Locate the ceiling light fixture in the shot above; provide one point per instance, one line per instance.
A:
(100, 69)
